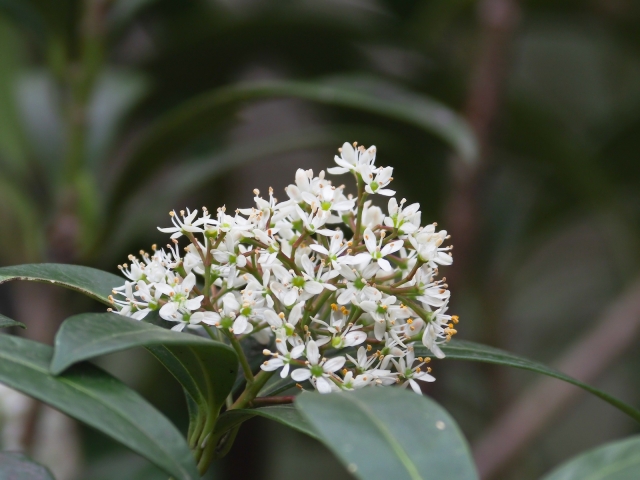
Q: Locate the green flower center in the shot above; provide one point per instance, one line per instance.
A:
(359, 283)
(298, 282)
(316, 371)
(226, 322)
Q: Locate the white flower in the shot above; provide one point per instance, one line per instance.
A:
(341, 334)
(426, 241)
(384, 312)
(336, 248)
(363, 363)
(358, 288)
(286, 329)
(317, 277)
(231, 256)
(231, 316)
(292, 287)
(405, 220)
(381, 180)
(313, 221)
(411, 374)
(282, 358)
(179, 302)
(352, 160)
(319, 370)
(277, 270)
(376, 251)
(360, 381)
(330, 199)
(186, 224)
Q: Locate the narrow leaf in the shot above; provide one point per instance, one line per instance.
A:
(16, 466)
(476, 352)
(383, 433)
(613, 461)
(205, 368)
(94, 283)
(178, 127)
(285, 414)
(6, 322)
(99, 400)
(464, 350)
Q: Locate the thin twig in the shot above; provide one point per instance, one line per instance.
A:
(533, 410)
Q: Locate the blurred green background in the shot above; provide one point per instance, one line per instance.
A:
(113, 112)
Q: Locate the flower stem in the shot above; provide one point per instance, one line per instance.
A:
(244, 363)
(252, 390)
(361, 197)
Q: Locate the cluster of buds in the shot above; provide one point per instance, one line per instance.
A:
(338, 290)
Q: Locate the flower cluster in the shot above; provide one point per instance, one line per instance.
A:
(339, 290)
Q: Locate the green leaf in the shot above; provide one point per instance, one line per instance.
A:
(18, 466)
(463, 350)
(94, 283)
(285, 414)
(6, 322)
(613, 461)
(205, 368)
(383, 433)
(476, 352)
(203, 113)
(99, 400)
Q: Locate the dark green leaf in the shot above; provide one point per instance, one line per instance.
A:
(286, 414)
(24, 15)
(463, 350)
(205, 368)
(94, 283)
(276, 385)
(205, 112)
(16, 466)
(613, 461)
(6, 322)
(384, 433)
(99, 400)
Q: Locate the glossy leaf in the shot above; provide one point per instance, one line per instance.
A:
(16, 466)
(383, 433)
(205, 368)
(613, 461)
(285, 414)
(463, 350)
(99, 400)
(6, 322)
(94, 283)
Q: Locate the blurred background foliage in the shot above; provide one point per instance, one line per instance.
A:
(112, 112)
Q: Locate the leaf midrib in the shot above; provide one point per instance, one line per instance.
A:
(412, 469)
(156, 340)
(76, 386)
(89, 293)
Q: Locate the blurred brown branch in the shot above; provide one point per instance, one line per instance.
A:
(534, 409)
(498, 20)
